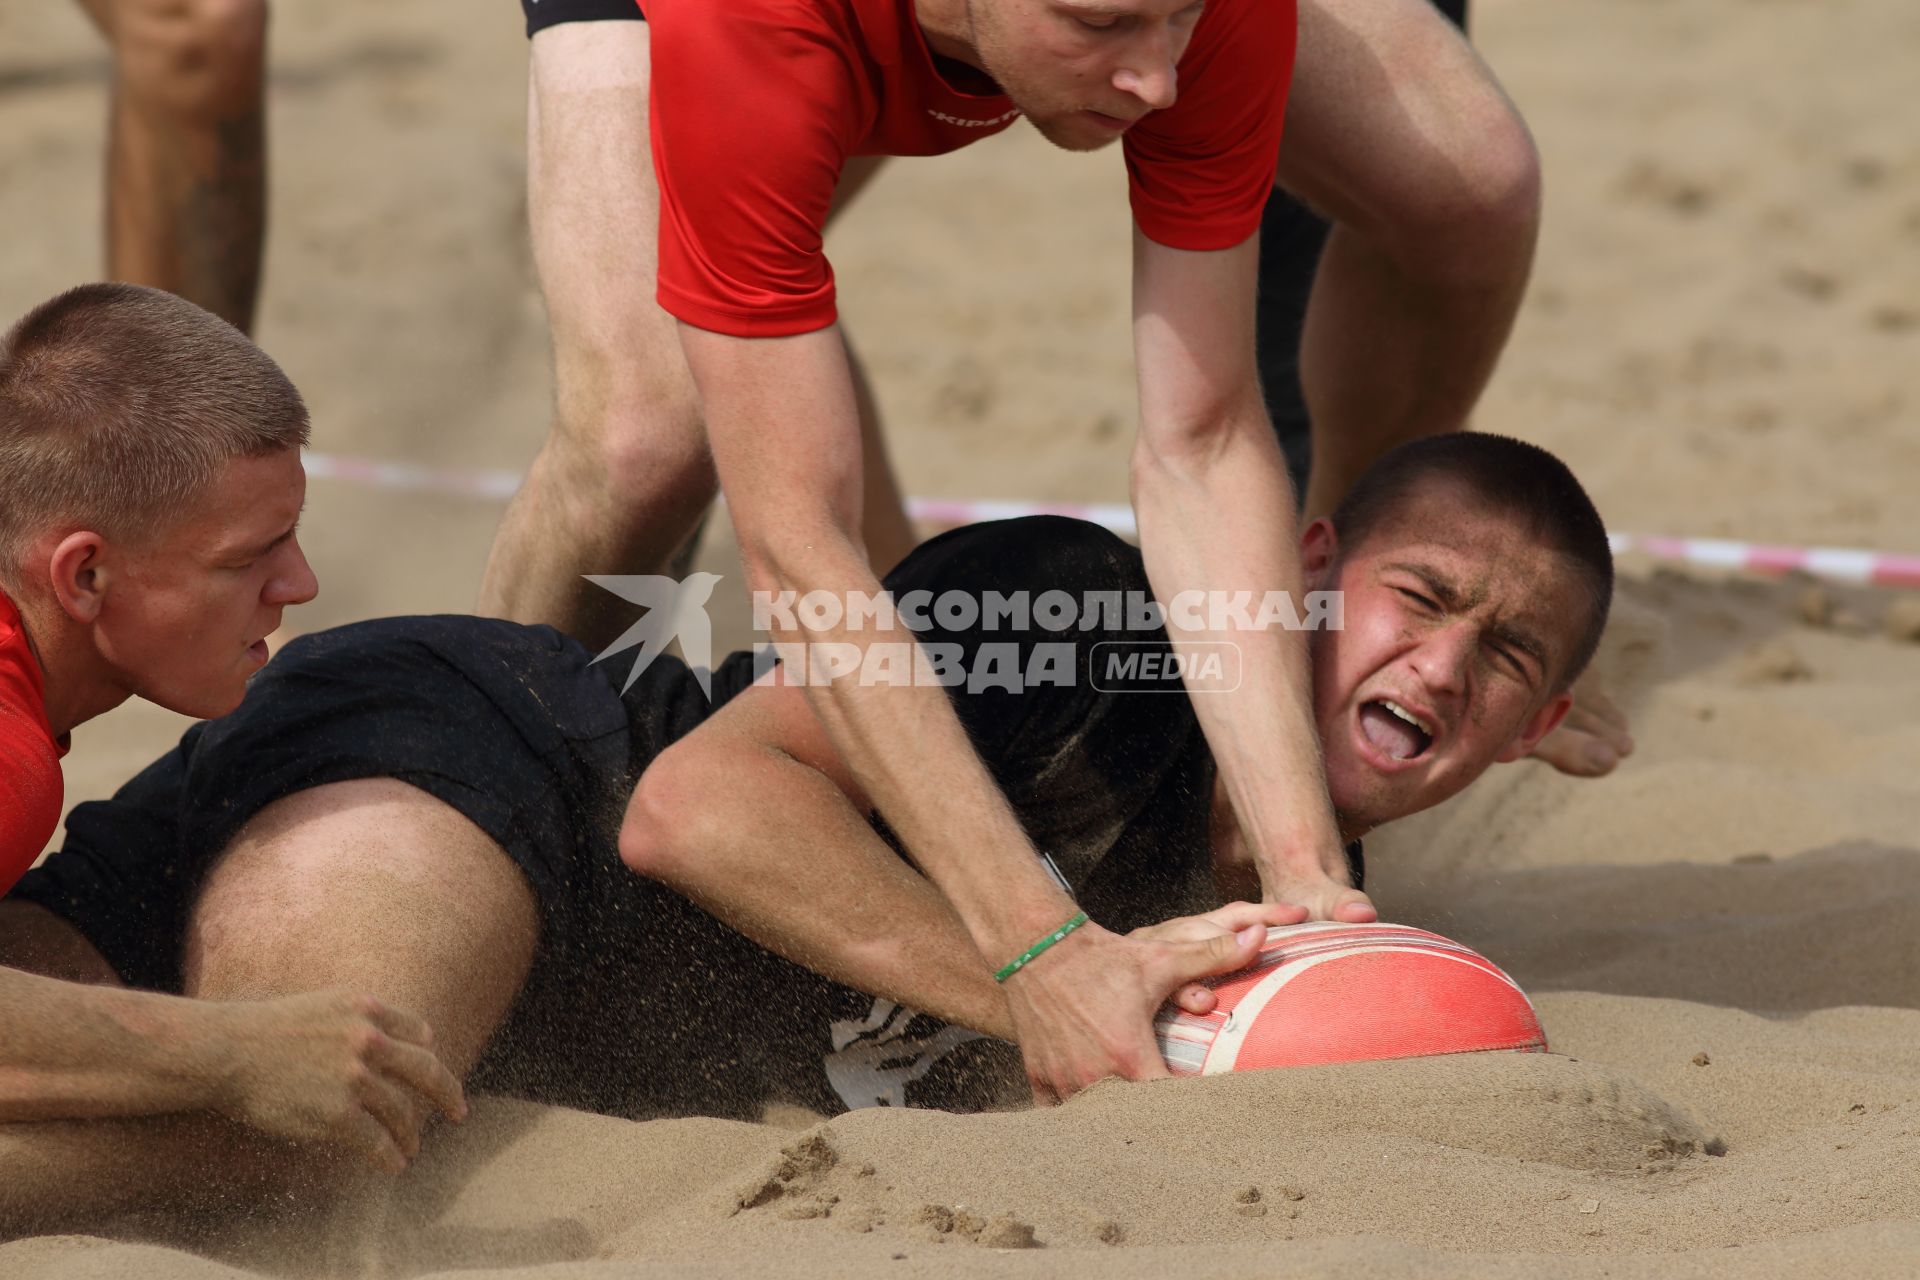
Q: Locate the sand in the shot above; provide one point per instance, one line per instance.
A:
(1723, 939)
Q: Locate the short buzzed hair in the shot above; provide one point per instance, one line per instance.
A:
(1510, 478)
(120, 405)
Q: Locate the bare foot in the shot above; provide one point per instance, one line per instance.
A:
(1591, 740)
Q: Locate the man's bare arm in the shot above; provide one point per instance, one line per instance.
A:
(781, 418)
(315, 1067)
(800, 871)
(72, 1051)
(1216, 516)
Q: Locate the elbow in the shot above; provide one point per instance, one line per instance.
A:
(658, 825)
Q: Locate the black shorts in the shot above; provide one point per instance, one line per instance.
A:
(542, 14)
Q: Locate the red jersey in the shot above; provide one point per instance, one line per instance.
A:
(30, 786)
(758, 104)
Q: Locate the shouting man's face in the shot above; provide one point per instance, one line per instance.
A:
(1082, 71)
(1458, 632)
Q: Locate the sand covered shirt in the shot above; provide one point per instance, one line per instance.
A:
(757, 105)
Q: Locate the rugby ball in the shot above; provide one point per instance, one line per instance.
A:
(1324, 992)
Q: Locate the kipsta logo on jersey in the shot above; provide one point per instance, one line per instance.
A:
(969, 123)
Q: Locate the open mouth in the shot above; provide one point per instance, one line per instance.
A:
(1394, 731)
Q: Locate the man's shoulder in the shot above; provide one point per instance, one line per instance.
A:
(31, 791)
(1039, 551)
(23, 697)
(27, 750)
(747, 27)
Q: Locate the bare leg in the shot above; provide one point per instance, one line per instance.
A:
(1399, 133)
(371, 885)
(186, 151)
(624, 476)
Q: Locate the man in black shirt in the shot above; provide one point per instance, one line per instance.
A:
(428, 808)
(1475, 576)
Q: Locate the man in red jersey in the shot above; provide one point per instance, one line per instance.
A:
(150, 485)
(755, 117)
(151, 481)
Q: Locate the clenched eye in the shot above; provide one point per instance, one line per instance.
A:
(1420, 600)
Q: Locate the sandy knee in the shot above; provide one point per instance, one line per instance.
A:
(192, 58)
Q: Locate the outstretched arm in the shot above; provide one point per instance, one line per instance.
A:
(1216, 518)
(800, 871)
(80, 1046)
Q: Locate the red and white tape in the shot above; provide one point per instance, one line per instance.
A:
(458, 482)
(1838, 564)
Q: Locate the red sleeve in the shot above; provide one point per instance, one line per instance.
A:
(752, 107)
(30, 795)
(1199, 172)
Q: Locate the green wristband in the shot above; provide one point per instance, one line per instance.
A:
(1026, 957)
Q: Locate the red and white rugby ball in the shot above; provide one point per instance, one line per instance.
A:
(1324, 992)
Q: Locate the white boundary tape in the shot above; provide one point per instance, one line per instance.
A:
(1840, 564)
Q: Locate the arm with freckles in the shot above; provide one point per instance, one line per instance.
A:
(1216, 515)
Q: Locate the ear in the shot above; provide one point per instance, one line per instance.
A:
(77, 574)
(1539, 725)
(1319, 547)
